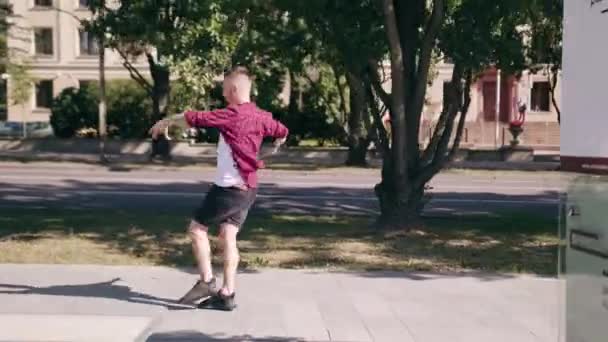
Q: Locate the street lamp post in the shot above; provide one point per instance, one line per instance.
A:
(102, 99)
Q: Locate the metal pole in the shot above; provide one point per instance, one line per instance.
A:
(497, 133)
(102, 94)
(24, 128)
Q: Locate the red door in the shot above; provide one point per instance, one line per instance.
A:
(489, 100)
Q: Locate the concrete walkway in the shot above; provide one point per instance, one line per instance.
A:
(115, 303)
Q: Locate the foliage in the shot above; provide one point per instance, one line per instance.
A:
(192, 38)
(545, 35)
(129, 110)
(21, 82)
(5, 12)
(73, 110)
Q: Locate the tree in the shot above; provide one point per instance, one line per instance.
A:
(166, 33)
(349, 36)
(291, 80)
(415, 30)
(5, 12)
(21, 86)
(545, 23)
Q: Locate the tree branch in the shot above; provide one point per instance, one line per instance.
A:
(553, 77)
(69, 13)
(428, 43)
(377, 113)
(341, 94)
(438, 152)
(377, 83)
(399, 146)
(427, 155)
(135, 74)
(419, 75)
(409, 15)
(463, 115)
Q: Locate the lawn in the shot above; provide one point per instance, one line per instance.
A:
(510, 243)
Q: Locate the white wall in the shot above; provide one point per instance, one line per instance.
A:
(584, 126)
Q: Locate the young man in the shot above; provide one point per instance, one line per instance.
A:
(242, 127)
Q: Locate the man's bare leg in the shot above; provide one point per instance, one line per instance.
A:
(201, 250)
(231, 257)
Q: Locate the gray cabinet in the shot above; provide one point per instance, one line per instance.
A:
(584, 259)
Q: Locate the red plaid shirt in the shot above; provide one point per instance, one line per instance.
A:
(243, 127)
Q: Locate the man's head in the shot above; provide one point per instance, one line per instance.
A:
(237, 86)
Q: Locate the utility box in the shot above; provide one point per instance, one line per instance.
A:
(583, 139)
(584, 259)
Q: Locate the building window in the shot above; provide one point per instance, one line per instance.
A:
(88, 43)
(43, 3)
(83, 3)
(43, 41)
(44, 94)
(541, 97)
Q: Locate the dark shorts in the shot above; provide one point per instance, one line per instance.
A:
(225, 206)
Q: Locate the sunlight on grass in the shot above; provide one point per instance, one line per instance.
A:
(512, 243)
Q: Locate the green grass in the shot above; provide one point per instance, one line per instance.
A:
(510, 243)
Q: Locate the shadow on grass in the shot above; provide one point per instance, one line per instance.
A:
(511, 243)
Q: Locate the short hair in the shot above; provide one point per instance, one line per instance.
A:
(239, 71)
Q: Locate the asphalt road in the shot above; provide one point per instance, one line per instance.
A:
(338, 191)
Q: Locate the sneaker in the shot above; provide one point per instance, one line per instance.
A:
(198, 291)
(219, 302)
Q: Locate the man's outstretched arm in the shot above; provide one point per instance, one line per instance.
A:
(187, 119)
(277, 130)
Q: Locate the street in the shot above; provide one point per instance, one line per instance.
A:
(332, 191)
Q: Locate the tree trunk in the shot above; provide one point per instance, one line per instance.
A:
(358, 141)
(553, 78)
(401, 203)
(160, 91)
(160, 103)
(393, 191)
(341, 91)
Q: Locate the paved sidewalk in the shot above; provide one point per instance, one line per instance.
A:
(88, 303)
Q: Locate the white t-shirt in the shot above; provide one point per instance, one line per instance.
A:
(227, 175)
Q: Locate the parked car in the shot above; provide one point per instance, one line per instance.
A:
(33, 129)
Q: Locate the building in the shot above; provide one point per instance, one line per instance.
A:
(584, 140)
(494, 93)
(48, 35)
(62, 54)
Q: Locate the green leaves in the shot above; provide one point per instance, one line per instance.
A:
(512, 35)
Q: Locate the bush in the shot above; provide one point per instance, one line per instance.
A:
(73, 110)
(183, 97)
(129, 109)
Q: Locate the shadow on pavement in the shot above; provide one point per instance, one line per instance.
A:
(108, 289)
(191, 336)
(325, 200)
(429, 276)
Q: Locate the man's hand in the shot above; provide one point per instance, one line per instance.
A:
(159, 128)
(162, 126)
(280, 141)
